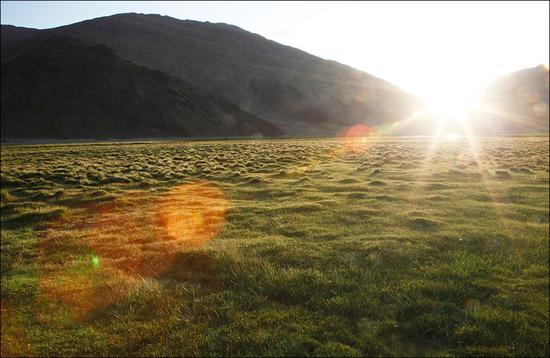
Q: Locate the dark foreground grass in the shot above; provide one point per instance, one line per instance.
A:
(311, 248)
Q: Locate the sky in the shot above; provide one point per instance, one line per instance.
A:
(436, 50)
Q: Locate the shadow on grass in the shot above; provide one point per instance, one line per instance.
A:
(33, 218)
(196, 268)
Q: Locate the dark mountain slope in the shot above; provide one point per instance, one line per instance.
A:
(17, 40)
(11, 34)
(302, 93)
(64, 88)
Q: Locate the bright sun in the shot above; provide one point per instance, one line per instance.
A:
(451, 106)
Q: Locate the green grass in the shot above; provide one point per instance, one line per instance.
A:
(283, 247)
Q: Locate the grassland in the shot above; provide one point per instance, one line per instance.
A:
(390, 246)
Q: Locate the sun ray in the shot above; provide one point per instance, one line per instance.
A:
(474, 148)
(511, 116)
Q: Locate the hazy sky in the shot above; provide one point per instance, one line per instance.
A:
(431, 49)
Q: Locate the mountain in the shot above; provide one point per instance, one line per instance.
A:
(142, 75)
(300, 93)
(64, 88)
(516, 103)
(11, 34)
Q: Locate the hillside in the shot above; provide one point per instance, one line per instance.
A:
(516, 103)
(301, 93)
(11, 35)
(63, 88)
(264, 86)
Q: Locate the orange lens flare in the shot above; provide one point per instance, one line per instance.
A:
(137, 236)
(84, 290)
(141, 237)
(357, 138)
(191, 214)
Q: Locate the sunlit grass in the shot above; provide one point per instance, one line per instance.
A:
(359, 246)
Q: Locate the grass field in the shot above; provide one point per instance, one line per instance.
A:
(388, 246)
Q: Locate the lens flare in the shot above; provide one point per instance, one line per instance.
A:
(94, 260)
(127, 240)
(358, 138)
(359, 131)
(191, 214)
(83, 288)
(140, 235)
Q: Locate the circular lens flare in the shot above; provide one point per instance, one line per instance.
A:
(357, 137)
(128, 239)
(192, 214)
